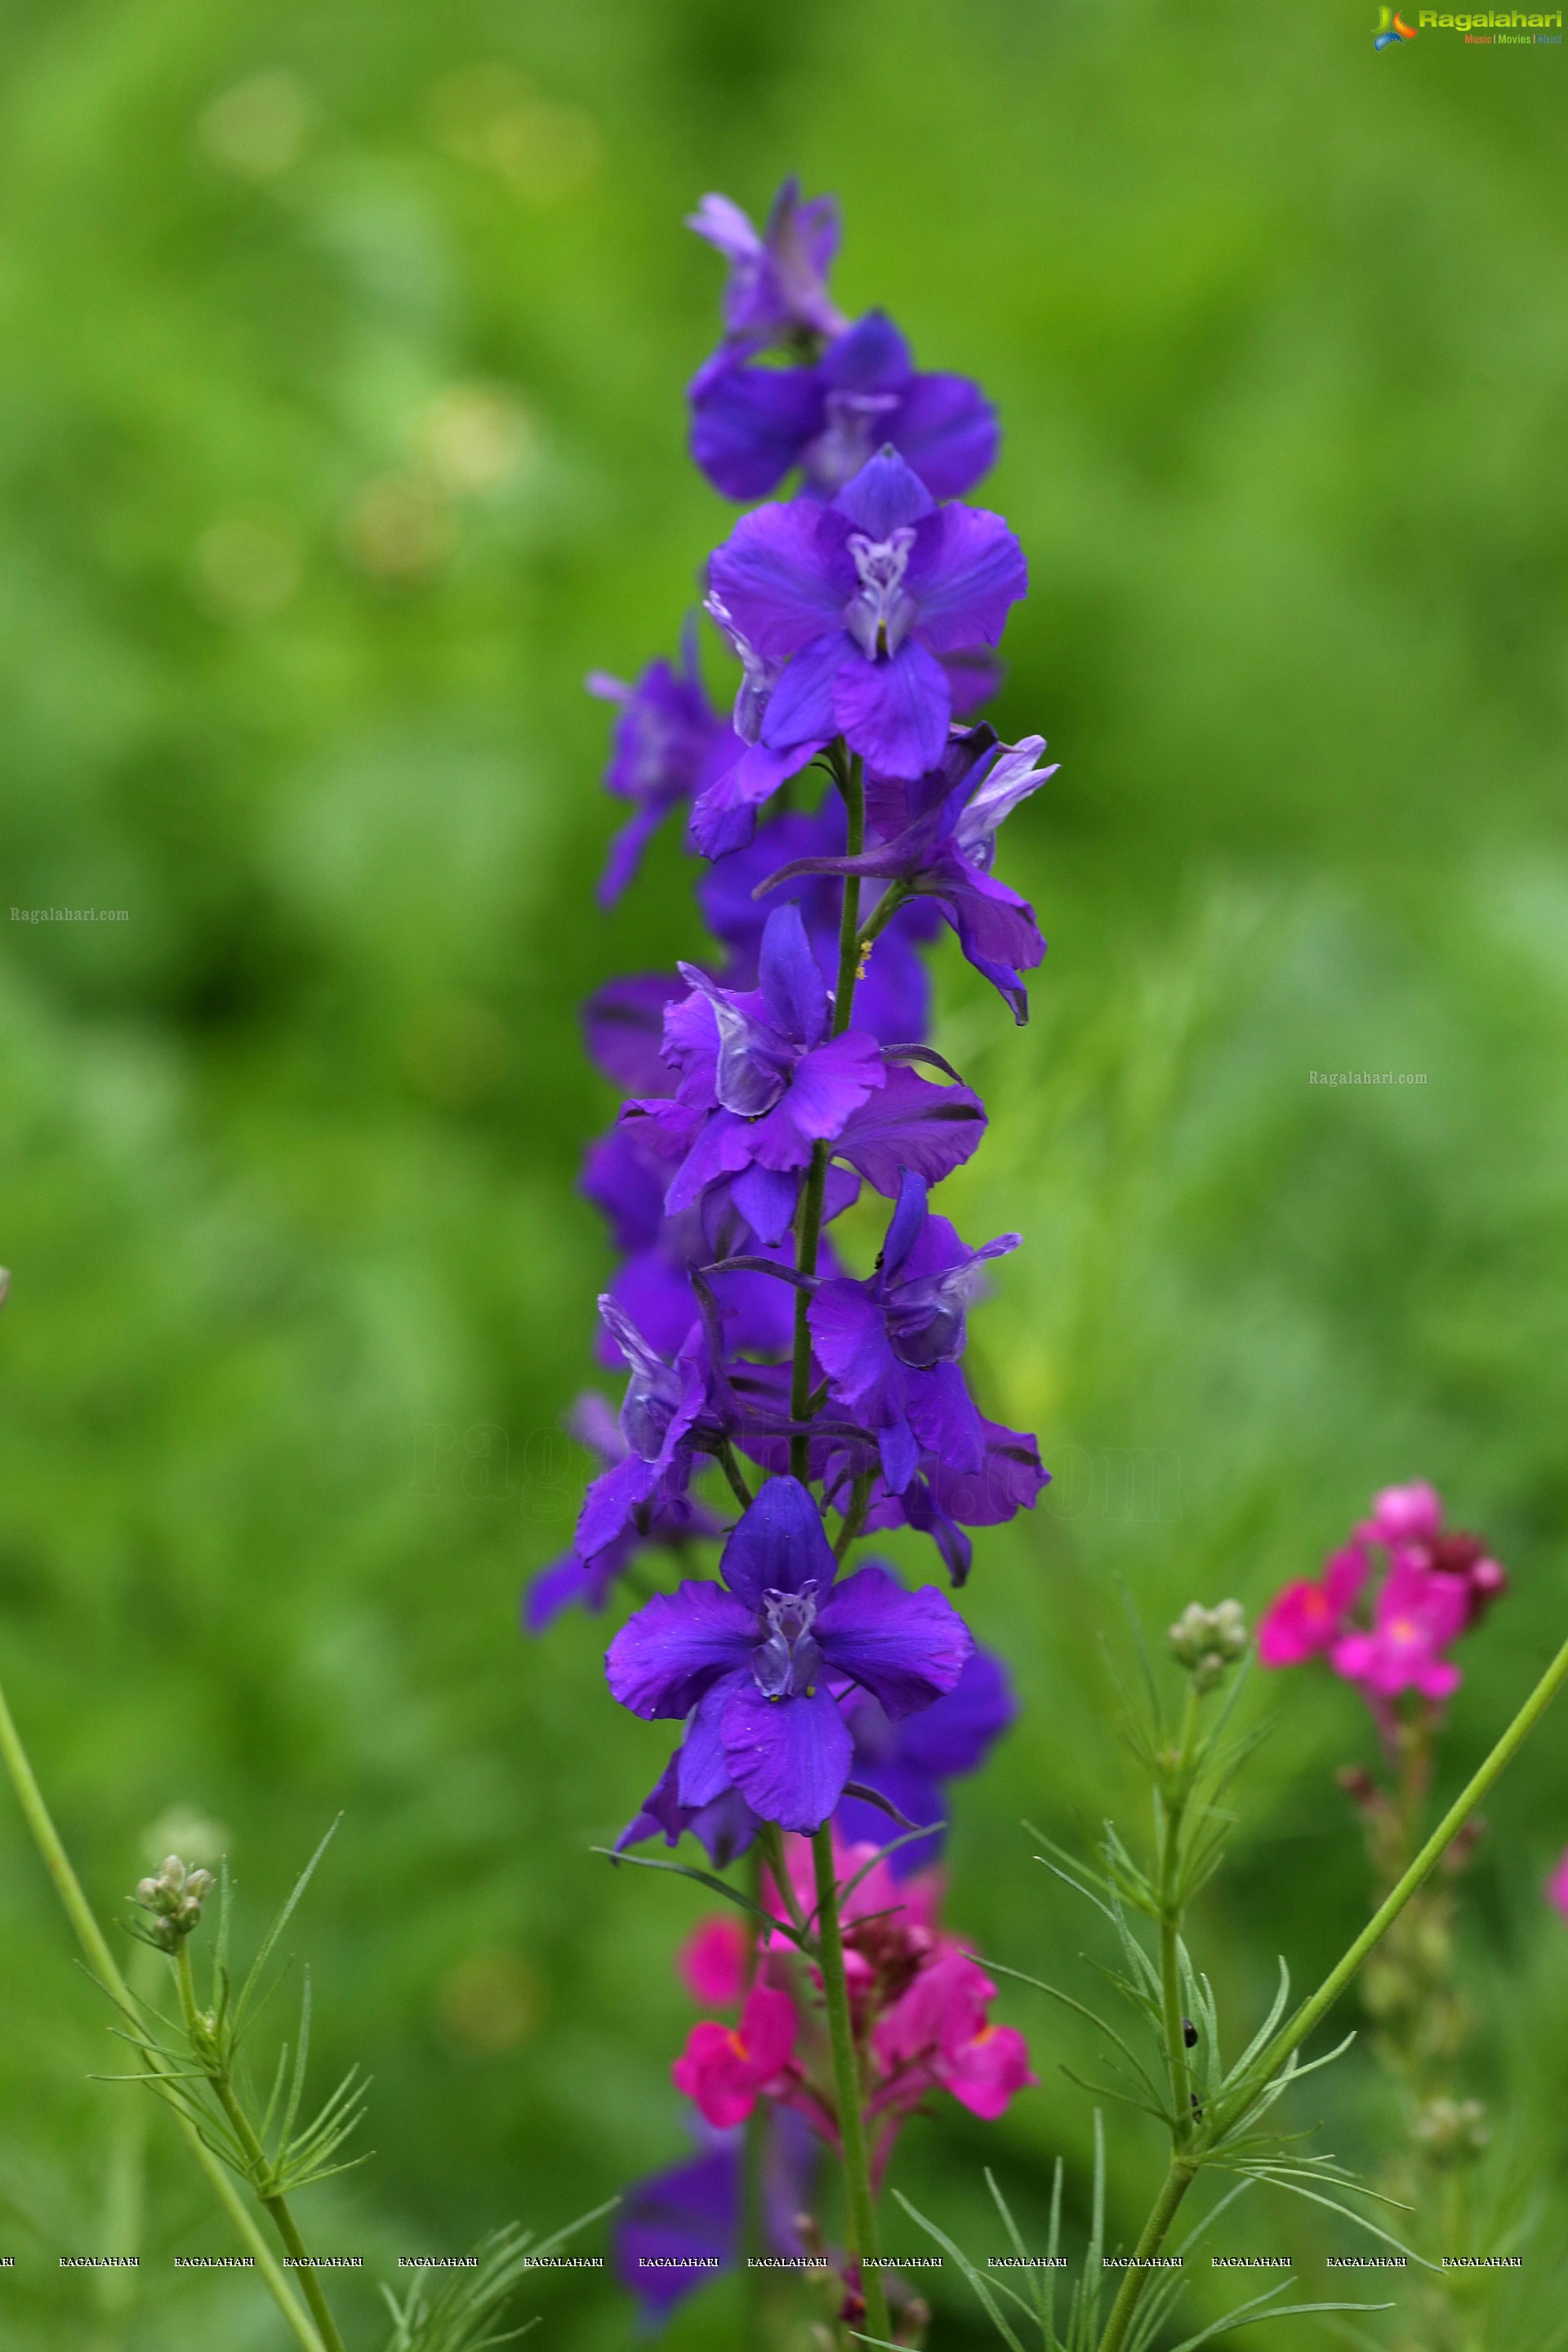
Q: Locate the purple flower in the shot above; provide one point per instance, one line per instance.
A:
(909, 1762)
(755, 1661)
(662, 1418)
(939, 841)
(575, 1581)
(889, 1346)
(893, 997)
(942, 1500)
(777, 287)
(670, 745)
(693, 2212)
(750, 425)
(846, 608)
(763, 1082)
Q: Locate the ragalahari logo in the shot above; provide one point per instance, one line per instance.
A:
(1391, 29)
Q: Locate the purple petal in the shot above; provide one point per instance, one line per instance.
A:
(907, 1223)
(749, 425)
(775, 580)
(832, 1082)
(946, 1419)
(1011, 1480)
(906, 1648)
(724, 814)
(779, 1546)
(966, 579)
(624, 1027)
(672, 2225)
(723, 1146)
(956, 1734)
(884, 497)
(627, 1189)
(801, 708)
(788, 1757)
(790, 978)
(626, 852)
(946, 429)
(610, 1502)
(679, 1643)
(894, 712)
(561, 1585)
(701, 1773)
(911, 1124)
(870, 356)
(899, 1453)
(849, 1333)
(767, 1198)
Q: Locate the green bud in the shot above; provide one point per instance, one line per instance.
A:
(1208, 1641)
(1452, 2131)
(175, 1897)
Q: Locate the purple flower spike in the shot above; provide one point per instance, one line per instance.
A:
(942, 839)
(750, 425)
(890, 1346)
(857, 600)
(670, 745)
(777, 286)
(755, 1662)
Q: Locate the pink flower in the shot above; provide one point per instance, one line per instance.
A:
(936, 2035)
(724, 2069)
(987, 2071)
(1419, 1613)
(1412, 1513)
(1557, 1886)
(1306, 1617)
(713, 1962)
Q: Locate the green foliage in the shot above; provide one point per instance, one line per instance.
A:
(294, 626)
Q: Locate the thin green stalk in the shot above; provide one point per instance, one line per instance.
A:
(1316, 2006)
(851, 784)
(1184, 2172)
(100, 1960)
(1173, 1810)
(860, 2215)
(244, 2132)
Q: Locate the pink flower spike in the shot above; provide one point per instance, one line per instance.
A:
(713, 1963)
(986, 2073)
(723, 2069)
(1412, 1513)
(1557, 1886)
(1304, 1619)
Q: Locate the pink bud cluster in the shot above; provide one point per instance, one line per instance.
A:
(1436, 1585)
(919, 2002)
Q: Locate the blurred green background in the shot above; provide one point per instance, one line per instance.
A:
(340, 431)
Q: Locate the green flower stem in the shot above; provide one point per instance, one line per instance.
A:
(100, 1960)
(255, 2155)
(1312, 2010)
(1173, 1810)
(1184, 2172)
(1184, 2168)
(860, 2214)
(851, 784)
